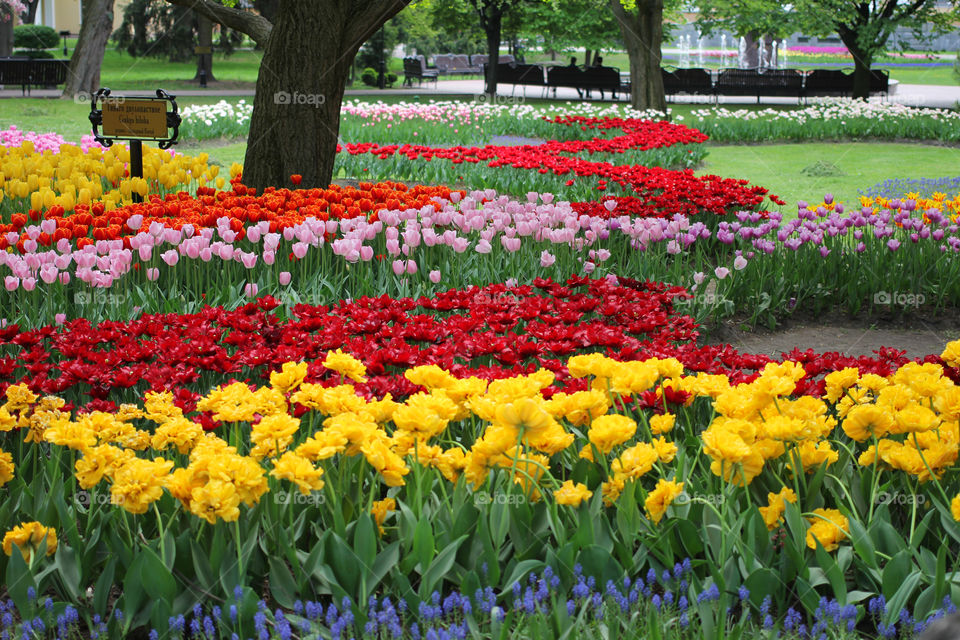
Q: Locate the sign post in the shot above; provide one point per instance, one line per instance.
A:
(135, 118)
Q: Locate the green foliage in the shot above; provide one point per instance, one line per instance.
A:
(35, 36)
(158, 29)
(369, 77)
(34, 54)
(742, 17)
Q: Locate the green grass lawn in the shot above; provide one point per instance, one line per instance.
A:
(778, 167)
(858, 165)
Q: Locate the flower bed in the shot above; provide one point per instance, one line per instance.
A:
(431, 487)
(490, 332)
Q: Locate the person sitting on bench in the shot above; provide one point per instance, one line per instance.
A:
(572, 65)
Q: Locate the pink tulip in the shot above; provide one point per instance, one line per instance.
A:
(135, 221)
(397, 267)
(721, 272)
(547, 259)
(249, 260)
(145, 251)
(739, 263)
(11, 283)
(60, 318)
(206, 254)
(435, 276)
(366, 253)
(171, 257)
(48, 226)
(30, 245)
(250, 290)
(48, 273)
(64, 278)
(411, 266)
(588, 267)
(300, 249)
(226, 252)
(610, 204)
(153, 273)
(284, 278)
(484, 247)
(253, 234)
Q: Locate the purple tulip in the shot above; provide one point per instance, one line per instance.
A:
(893, 244)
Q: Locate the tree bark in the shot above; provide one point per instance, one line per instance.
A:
(6, 32)
(83, 76)
(30, 15)
(257, 27)
(296, 111)
(642, 31)
(751, 54)
(862, 61)
(205, 40)
(491, 20)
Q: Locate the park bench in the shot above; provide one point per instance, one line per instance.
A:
(526, 75)
(771, 82)
(417, 68)
(689, 81)
(827, 82)
(749, 82)
(455, 63)
(28, 72)
(600, 78)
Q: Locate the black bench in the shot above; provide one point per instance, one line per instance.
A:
(520, 74)
(29, 72)
(415, 68)
(827, 82)
(749, 82)
(600, 78)
(691, 81)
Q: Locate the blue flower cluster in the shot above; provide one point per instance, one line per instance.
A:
(925, 187)
(666, 594)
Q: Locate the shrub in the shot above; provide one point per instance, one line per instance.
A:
(35, 36)
(34, 54)
(369, 77)
(391, 78)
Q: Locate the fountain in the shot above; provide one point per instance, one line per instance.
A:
(783, 53)
(699, 50)
(684, 52)
(742, 54)
(723, 49)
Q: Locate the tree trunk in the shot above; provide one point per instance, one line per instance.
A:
(6, 32)
(767, 60)
(587, 56)
(751, 54)
(296, 109)
(83, 76)
(862, 61)
(205, 41)
(30, 15)
(491, 23)
(642, 31)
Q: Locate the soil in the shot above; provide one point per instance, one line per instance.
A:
(918, 336)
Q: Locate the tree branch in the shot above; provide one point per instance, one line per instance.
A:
(367, 18)
(255, 26)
